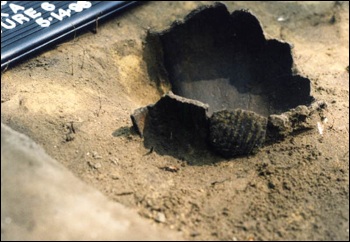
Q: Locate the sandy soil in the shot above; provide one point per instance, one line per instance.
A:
(75, 101)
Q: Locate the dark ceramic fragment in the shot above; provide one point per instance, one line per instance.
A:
(248, 83)
(237, 132)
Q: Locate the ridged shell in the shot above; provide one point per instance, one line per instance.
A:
(237, 132)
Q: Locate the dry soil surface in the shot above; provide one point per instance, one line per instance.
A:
(75, 100)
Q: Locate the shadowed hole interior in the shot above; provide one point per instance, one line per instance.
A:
(224, 60)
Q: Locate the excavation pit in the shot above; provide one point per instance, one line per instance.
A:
(232, 89)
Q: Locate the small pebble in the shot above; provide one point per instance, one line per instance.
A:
(115, 175)
(281, 18)
(115, 161)
(96, 155)
(160, 218)
(95, 166)
(98, 165)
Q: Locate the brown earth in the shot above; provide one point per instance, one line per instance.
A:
(75, 101)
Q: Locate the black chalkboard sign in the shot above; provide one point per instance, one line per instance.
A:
(29, 26)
